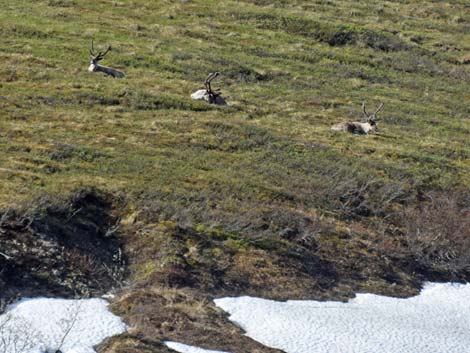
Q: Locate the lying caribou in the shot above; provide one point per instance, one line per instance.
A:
(355, 127)
(208, 94)
(96, 67)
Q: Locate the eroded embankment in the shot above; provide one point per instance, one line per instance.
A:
(75, 247)
(166, 273)
(60, 249)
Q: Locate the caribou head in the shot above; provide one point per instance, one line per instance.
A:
(371, 119)
(95, 66)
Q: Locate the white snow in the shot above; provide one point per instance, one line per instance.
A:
(41, 323)
(183, 348)
(437, 320)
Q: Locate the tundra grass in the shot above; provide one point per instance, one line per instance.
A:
(289, 69)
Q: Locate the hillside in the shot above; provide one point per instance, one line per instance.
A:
(129, 185)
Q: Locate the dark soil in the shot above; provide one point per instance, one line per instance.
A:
(64, 249)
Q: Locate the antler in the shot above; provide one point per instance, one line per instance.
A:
(101, 55)
(379, 108)
(364, 110)
(92, 50)
(209, 78)
(371, 116)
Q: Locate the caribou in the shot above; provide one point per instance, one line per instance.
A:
(368, 125)
(208, 94)
(96, 67)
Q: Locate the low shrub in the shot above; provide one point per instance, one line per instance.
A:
(63, 152)
(333, 34)
(438, 232)
(145, 101)
(61, 3)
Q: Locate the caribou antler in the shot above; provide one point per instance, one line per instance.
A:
(100, 55)
(379, 108)
(371, 116)
(364, 110)
(92, 50)
(207, 81)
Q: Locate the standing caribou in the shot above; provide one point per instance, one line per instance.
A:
(208, 94)
(96, 67)
(355, 127)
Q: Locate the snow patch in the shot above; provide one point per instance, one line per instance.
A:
(437, 320)
(183, 348)
(40, 324)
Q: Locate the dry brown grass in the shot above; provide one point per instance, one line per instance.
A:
(160, 313)
(438, 233)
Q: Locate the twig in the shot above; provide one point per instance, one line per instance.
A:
(5, 256)
(70, 324)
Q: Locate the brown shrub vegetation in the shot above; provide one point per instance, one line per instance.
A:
(438, 233)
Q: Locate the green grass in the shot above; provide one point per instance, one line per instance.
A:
(289, 70)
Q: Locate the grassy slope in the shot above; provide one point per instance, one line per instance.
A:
(267, 164)
(143, 134)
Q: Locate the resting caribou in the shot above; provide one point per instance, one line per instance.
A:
(96, 67)
(208, 94)
(355, 127)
